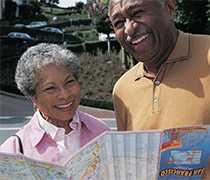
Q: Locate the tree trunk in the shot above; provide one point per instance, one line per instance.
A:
(108, 44)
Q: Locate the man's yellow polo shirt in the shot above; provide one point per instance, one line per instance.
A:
(178, 96)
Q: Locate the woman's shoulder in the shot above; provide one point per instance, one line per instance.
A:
(91, 121)
(11, 144)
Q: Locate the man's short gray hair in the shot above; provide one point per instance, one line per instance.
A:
(38, 56)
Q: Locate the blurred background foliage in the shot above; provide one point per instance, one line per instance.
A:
(87, 22)
(193, 16)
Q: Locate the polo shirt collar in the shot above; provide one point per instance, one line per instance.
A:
(182, 48)
(181, 52)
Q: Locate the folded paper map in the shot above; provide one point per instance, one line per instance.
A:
(171, 154)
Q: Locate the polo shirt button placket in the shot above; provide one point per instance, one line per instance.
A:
(155, 99)
(156, 96)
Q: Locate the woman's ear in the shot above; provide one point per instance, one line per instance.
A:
(33, 100)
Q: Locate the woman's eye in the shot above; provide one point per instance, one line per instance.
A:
(70, 81)
(50, 89)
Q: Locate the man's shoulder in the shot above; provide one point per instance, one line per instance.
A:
(205, 36)
(130, 75)
(200, 46)
(200, 39)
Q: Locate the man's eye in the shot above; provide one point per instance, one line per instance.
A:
(118, 24)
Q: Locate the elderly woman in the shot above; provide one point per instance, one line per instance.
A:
(47, 74)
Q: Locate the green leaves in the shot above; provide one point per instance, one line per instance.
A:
(192, 15)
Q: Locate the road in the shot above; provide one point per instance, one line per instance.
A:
(14, 105)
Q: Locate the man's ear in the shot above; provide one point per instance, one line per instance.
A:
(171, 5)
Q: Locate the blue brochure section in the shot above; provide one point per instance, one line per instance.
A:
(184, 153)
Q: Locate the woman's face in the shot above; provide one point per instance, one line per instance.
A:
(57, 93)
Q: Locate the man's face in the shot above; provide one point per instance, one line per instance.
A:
(143, 27)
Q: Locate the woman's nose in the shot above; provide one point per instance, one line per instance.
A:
(129, 27)
(64, 93)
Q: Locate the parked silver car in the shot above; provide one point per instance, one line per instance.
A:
(37, 24)
(20, 35)
(19, 25)
(52, 29)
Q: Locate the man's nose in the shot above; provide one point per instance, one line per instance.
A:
(129, 27)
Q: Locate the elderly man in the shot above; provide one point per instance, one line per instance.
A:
(170, 86)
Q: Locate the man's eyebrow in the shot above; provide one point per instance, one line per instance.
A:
(116, 15)
(132, 7)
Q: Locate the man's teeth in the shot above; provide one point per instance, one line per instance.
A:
(140, 39)
(65, 105)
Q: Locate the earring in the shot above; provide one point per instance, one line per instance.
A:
(44, 116)
(34, 107)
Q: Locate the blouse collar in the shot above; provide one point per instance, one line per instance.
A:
(58, 133)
